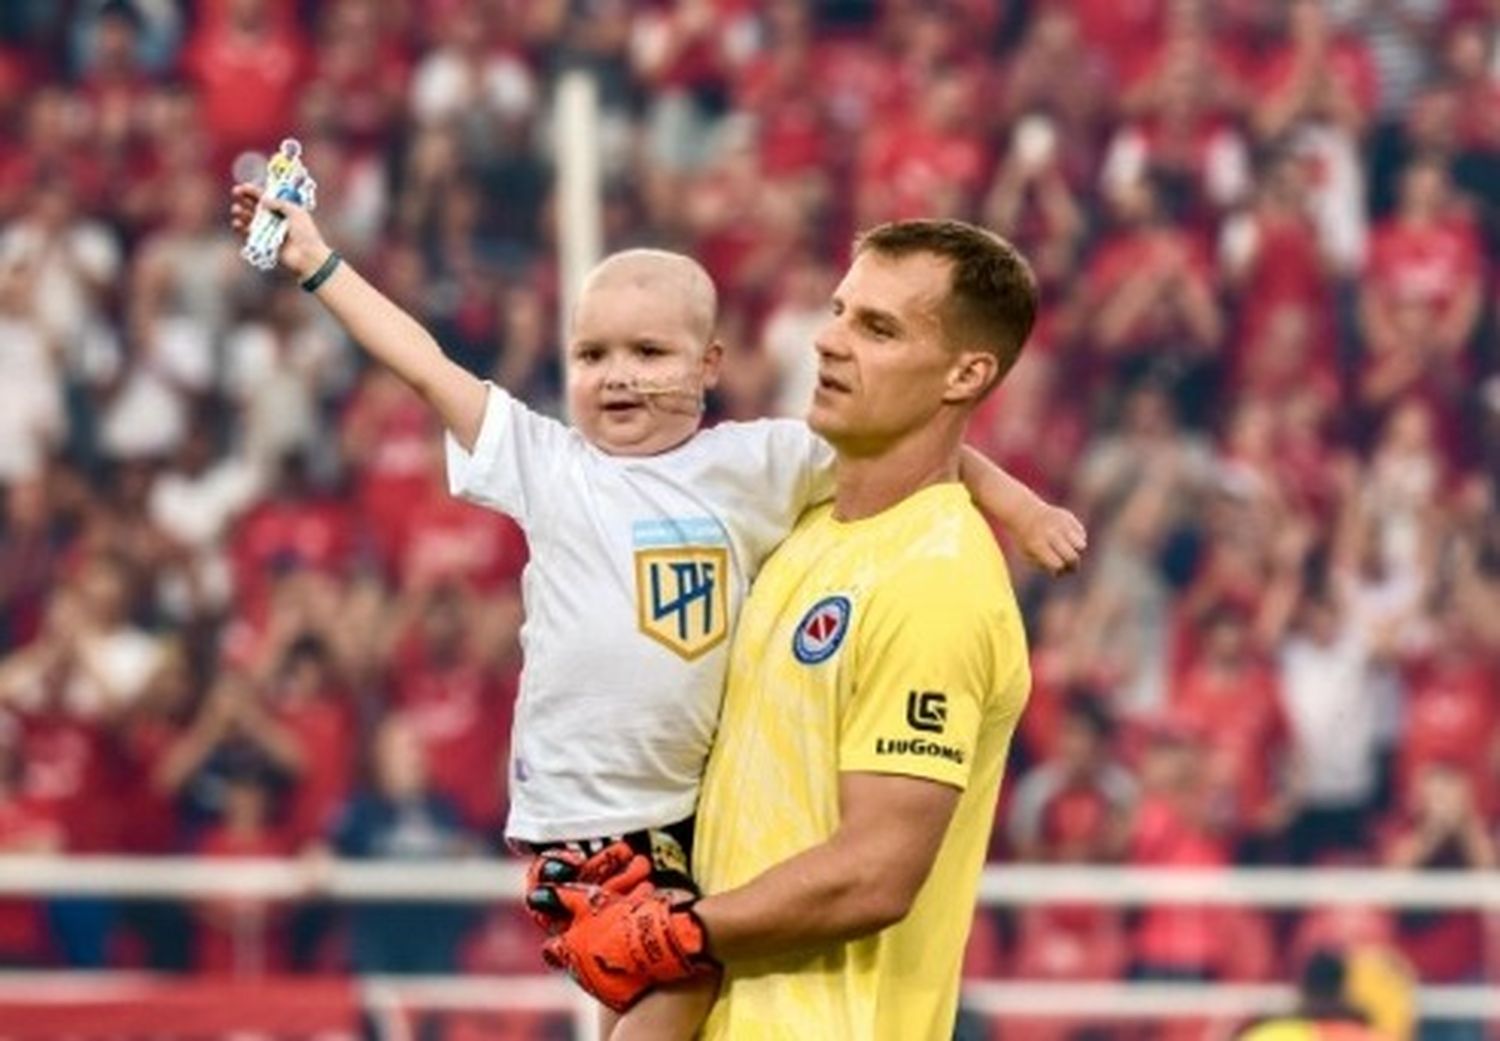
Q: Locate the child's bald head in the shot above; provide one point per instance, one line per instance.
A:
(642, 352)
(677, 280)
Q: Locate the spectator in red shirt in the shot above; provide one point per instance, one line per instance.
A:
(49, 148)
(175, 147)
(1180, 822)
(306, 713)
(294, 528)
(16, 75)
(1122, 33)
(1316, 74)
(456, 692)
(527, 364)
(26, 827)
(1055, 72)
(1290, 352)
(115, 84)
(1248, 461)
(1445, 830)
(795, 135)
(1186, 63)
(67, 772)
(1311, 459)
(1201, 159)
(1229, 696)
(1271, 258)
(388, 436)
(248, 60)
(929, 165)
(31, 548)
(1181, 104)
(359, 85)
(241, 935)
(1074, 806)
(1467, 60)
(1148, 293)
(1452, 710)
(230, 734)
(1031, 202)
(144, 737)
(1402, 491)
(1315, 94)
(1064, 659)
(446, 540)
(746, 229)
(1422, 294)
(1031, 426)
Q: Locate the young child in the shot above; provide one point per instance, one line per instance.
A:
(645, 532)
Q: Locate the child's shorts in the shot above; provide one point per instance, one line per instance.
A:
(669, 848)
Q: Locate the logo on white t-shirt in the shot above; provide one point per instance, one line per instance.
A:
(821, 630)
(682, 583)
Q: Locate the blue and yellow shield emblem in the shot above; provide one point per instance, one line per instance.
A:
(682, 597)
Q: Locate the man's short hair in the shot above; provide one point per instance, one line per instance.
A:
(1323, 977)
(992, 301)
(1085, 706)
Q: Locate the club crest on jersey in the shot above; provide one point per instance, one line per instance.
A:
(821, 630)
(682, 597)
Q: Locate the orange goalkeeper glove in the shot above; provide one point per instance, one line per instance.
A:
(616, 868)
(619, 947)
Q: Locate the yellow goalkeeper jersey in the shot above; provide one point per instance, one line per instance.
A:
(890, 644)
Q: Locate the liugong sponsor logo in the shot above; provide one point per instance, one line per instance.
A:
(918, 746)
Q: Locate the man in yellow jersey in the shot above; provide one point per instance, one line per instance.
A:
(1323, 1013)
(878, 672)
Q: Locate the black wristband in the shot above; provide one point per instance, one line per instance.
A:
(325, 270)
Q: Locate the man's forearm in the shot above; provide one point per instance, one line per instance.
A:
(396, 340)
(818, 897)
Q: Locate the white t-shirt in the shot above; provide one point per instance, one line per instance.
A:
(66, 262)
(1333, 713)
(638, 568)
(32, 415)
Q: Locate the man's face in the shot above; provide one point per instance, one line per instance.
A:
(883, 358)
(1077, 746)
(637, 369)
(1226, 642)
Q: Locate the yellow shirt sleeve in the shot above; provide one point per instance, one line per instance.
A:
(926, 655)
(1279, 1030)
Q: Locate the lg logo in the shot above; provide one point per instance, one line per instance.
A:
(927, 711)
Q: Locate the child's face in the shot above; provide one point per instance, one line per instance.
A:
(637, 369)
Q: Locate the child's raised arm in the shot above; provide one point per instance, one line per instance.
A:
(392, 336)
(1050, 536)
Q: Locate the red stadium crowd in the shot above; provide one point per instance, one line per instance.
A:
(240, 614)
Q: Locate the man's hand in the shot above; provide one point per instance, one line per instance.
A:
(616, 868)
(1054, 540)
(619, 947)
(304, 248)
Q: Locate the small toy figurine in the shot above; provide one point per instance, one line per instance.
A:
(286, 178)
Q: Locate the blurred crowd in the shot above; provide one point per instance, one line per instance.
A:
(239, 613)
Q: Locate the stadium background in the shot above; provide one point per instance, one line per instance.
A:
(240, 617)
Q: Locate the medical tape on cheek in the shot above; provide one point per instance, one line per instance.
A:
(672, 396)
